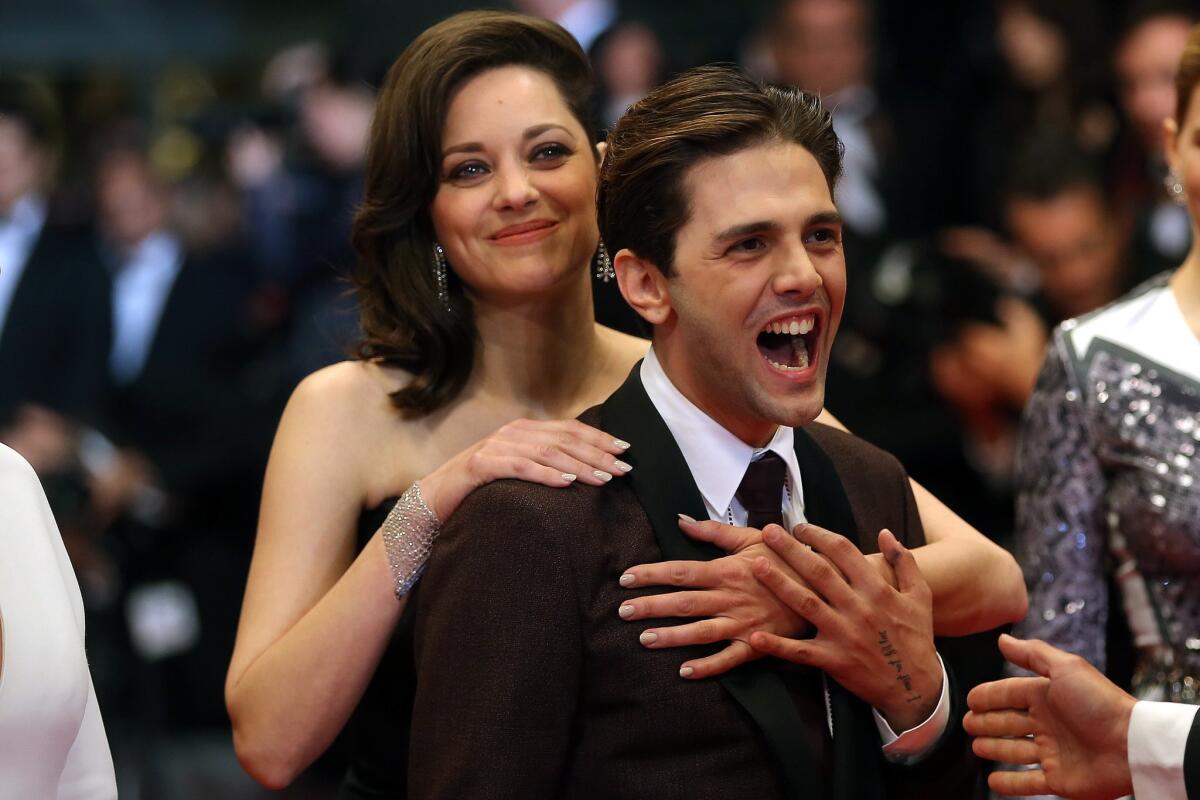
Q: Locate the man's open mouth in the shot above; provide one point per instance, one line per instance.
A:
(786, 342)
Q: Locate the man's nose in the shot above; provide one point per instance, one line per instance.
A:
(796, 274)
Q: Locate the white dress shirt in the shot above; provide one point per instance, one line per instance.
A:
(718, 460)
(140, 290)
(19, 232)
(1158, 734)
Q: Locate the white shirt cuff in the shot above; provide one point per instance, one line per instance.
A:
(1158, 734)
(915, 743)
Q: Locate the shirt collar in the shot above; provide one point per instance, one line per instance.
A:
(27, 216)
(716, 458)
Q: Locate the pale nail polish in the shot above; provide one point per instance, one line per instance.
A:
(686, 518)
(621, 465)
(626, 611)
(602, 475)
(620, 444)
(686, 672)
(566, 476)
(628, 579)
(649, 637)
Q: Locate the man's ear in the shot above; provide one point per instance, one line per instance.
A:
(643, 286)
(601, 152)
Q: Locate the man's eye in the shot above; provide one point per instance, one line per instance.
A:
(751, 245)
(823, 236)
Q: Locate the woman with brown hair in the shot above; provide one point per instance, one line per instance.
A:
(477, 240)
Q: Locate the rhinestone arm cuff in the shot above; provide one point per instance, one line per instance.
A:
(408, 534)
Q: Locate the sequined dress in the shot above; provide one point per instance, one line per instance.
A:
(1109, 480)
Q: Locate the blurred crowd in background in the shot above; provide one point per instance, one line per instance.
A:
(174, 249)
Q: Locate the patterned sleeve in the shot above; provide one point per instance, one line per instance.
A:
(1061, 543)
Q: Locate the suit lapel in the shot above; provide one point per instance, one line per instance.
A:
(665, 488)
(856, 753)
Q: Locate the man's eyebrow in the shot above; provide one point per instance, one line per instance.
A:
(746, 228)
(824, 218)
(530, 133)
(767, 225)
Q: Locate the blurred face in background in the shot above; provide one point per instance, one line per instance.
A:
(20, 162)
(823, 46)
(1146, 61)
(1075, 242)
(1035, 50)
(130, 201)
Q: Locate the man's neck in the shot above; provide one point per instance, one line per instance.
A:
(753, 431)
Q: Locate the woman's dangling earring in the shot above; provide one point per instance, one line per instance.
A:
(439, 275)
(604, 267)
(1174, 184)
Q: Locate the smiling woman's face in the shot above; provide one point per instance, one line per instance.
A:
(515, 208)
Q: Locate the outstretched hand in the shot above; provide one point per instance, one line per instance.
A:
(724, 591)
(1070, 721)
(874, 639)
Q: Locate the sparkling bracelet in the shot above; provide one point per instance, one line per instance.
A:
(408, 534)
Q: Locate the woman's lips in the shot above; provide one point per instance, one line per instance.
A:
(524, 233)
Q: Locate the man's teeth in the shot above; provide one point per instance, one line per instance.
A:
(801, 351)
(794, 327)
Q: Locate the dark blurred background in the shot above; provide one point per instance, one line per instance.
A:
(177, 180)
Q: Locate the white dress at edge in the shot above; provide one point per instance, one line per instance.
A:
(52, 742)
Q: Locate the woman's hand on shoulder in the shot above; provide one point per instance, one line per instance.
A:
(553, 453)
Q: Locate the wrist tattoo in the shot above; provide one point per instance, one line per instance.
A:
(893, 657)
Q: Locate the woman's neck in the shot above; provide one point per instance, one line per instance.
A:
(1186, 285)
(538, 355)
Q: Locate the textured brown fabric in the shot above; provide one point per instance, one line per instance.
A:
(531, 686)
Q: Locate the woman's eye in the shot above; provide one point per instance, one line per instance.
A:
(550, 152)
(471, 169)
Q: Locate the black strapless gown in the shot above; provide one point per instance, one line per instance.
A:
(377, 734)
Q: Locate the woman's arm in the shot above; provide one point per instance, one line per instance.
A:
(977, 585)
(316, 618)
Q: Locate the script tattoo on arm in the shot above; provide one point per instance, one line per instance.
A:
(893, 657)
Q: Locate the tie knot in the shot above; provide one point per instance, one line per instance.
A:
(761, 490)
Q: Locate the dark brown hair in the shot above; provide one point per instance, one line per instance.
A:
(404, 324)
(1188, 75)
(705, 112)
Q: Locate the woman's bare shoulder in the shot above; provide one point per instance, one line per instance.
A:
(625, 348)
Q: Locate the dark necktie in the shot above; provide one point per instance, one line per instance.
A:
(761, 491)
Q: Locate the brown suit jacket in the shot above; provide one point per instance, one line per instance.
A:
(530, 686)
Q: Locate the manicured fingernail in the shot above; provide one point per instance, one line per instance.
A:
(602, 475)
(686, 672)
(628, 579)
(686, 518)
(620, 444)
(566, 476)
(621, 465)
(626, 611)
(648, 638)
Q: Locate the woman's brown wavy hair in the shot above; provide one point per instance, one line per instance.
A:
(403, 322)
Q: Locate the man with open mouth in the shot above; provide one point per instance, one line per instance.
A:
(716, 199)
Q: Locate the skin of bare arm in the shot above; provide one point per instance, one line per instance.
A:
(977, 585)
(315, 619)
